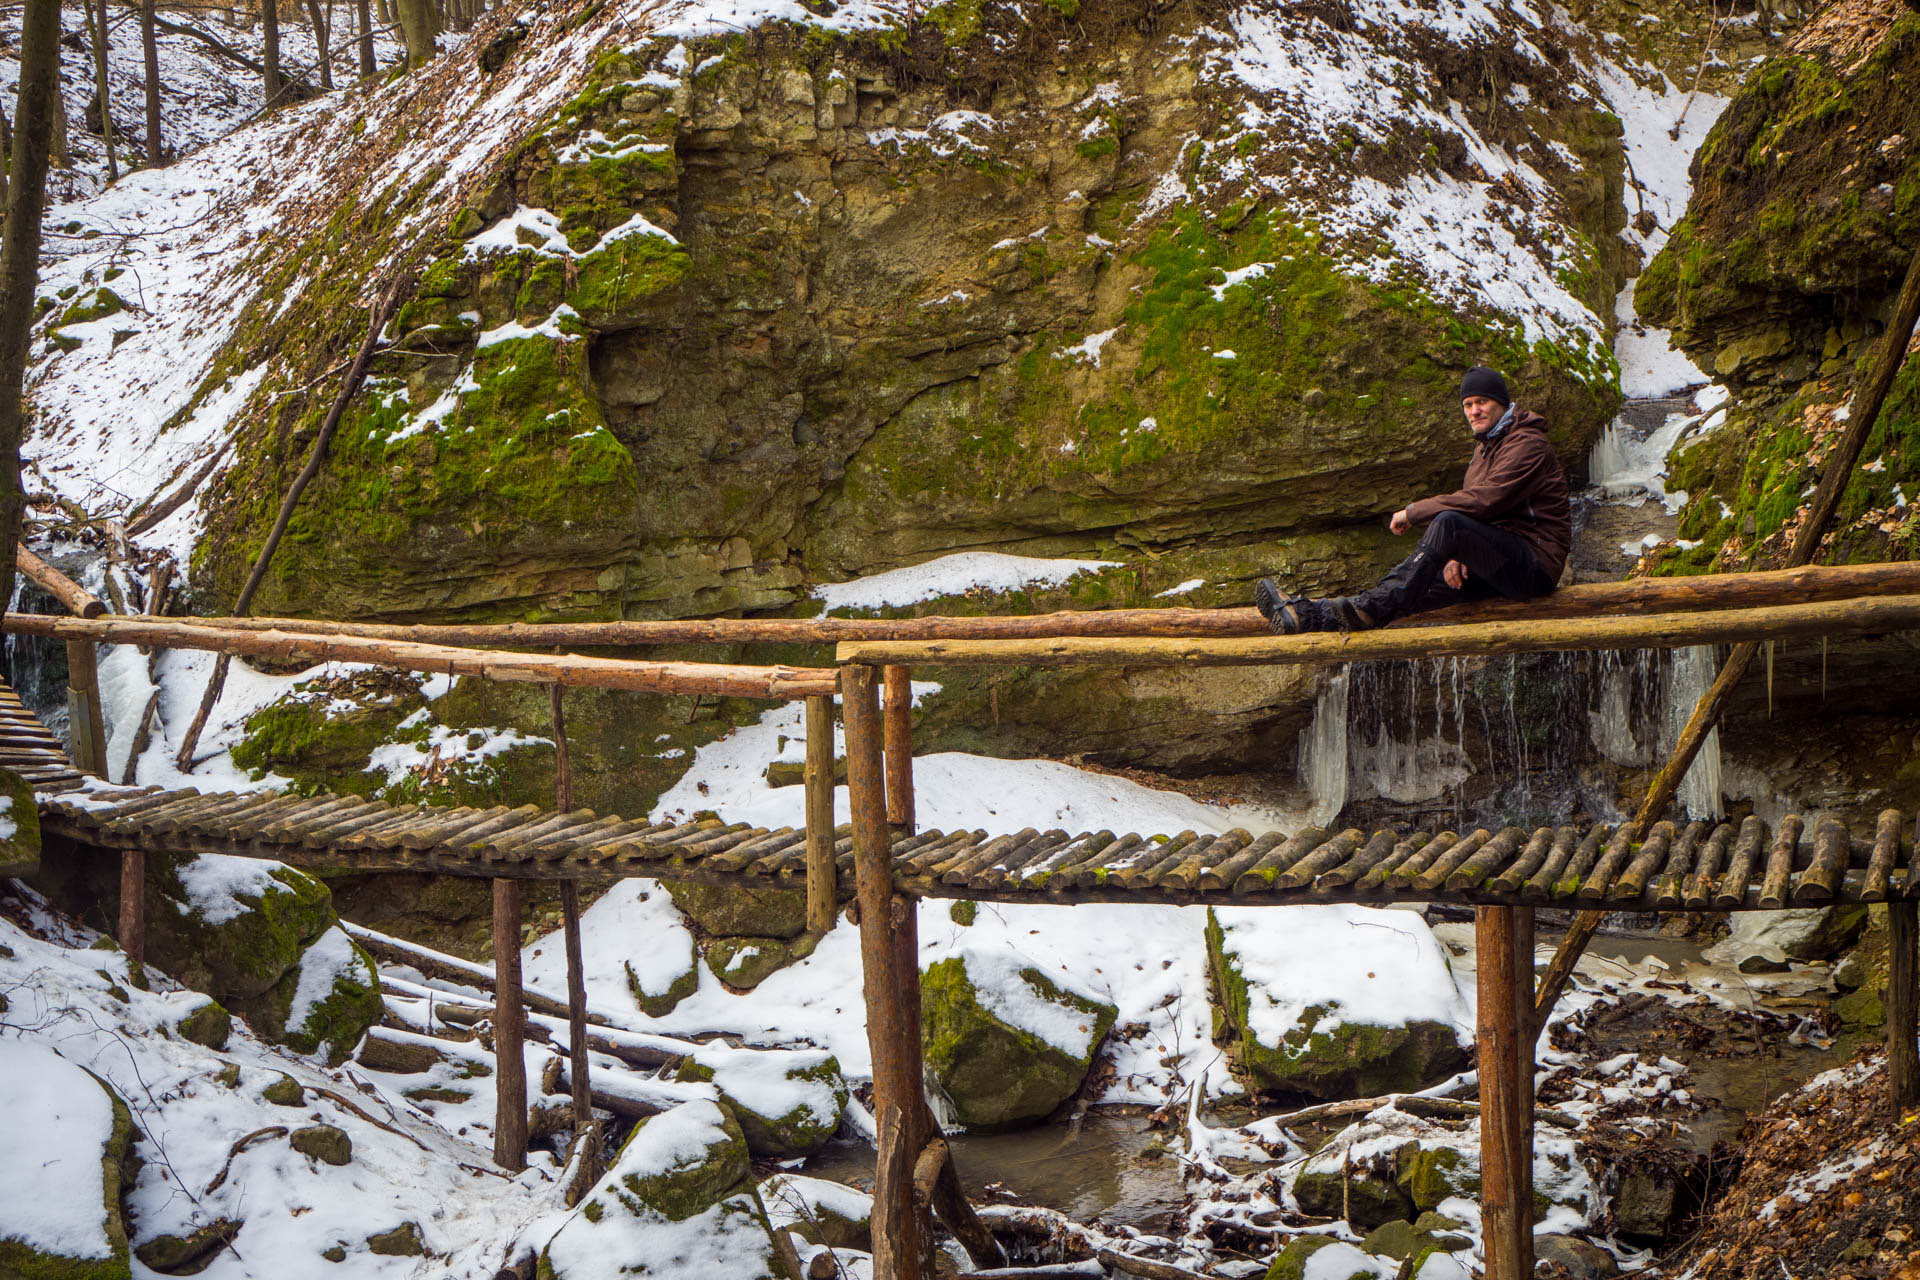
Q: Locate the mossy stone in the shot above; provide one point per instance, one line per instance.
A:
(401, 1242)
(1447, 1233)
(963, 911)
(744, 963)
(326, 1143)
(20, 847)
(190, 1253)
(1353, 1060)
(208, 1025)
(684, 984)
(697, 1181)
(334, 1253)
(996, 1074)
(1430, 1175)
(1863, 1008)
(93, 304)
(1365, 1199)
(803, 1129)
(321, 733)
(1291, 1262)
(285, 1092)
(741, 912)
(1397, 1239)
(20, 1262)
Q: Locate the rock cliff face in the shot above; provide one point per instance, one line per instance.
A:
(1805, 214)
(754, 311)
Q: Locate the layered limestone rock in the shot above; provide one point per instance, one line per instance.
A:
(1007, 1042)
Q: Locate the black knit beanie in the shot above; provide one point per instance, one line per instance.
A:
(1482, 381)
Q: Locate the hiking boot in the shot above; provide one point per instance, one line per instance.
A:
(1297, 615)
(1348, 615)
(1267, 598)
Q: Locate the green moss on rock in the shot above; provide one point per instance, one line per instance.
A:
(20, 817)
(208, 1025)
(741, 912)
(995, 1073)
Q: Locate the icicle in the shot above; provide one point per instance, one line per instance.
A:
(1689, 678)
(1323, 752)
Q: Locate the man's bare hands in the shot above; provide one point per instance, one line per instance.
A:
(1401, 522)
(1455, 574)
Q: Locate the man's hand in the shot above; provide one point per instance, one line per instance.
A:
(1401, 522)
(1455, 574)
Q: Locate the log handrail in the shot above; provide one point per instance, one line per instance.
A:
(1647, 631)
(778, 682)
(77, 599)
(1808, 584)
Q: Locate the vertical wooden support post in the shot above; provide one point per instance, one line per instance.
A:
(899, 1104)
(1903, 1003)
(822, 887)
(133, 905)
(1506, 1148)
(899, 721)
(86, 727)
(1529, 1054)
(509, 1031)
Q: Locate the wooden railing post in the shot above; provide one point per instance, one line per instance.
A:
(85, 723)
(1506, 1134)
(822, 886)
(133, 906)
(893, 1033)
(509, 1031)
(584, 1136)
(1903, 1002)
(1528, 1052)
(899, 734)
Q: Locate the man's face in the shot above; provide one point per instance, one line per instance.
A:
(1482, 412)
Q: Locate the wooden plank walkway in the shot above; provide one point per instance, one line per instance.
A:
(1685, 867)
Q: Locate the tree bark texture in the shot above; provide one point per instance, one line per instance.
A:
(364, 16)
(97, 20)
(1903, 1003)
(133, 905)
(509, 1031)
(33, 129)
(150, 59)
(272, 83)
(420, 29)
(1506, 1131)
(822, 879)
(898, 715)
(74, 598)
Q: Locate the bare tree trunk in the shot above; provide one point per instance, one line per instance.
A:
(271, 81)
(150, 53)
(420, 28)
(6, 149)
(364, 15)
(62, 156)
(384, 10)
(97, 24)
(20, 252)
(317, 18)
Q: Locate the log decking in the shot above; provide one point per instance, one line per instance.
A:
(1700, 866)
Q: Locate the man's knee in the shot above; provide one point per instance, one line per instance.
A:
(1444, 528)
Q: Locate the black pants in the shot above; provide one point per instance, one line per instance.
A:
(1498, 564)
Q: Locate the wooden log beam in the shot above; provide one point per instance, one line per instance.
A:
(1585, 600)
(1650, 631)
(898, 715)
(437, 964)
(133, 906)
(509, 1031)
(1903, 1004)
(1506, 1134)
(822, 881)
(74, 598)
(780, 682)
(85, 720)
(897, 1098)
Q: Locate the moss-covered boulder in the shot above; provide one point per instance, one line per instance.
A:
(676, 1202)
(1335, 1002)
(744, 963)
(788, 1102)
(820, 1212)
(70, 1139)
(1007, 1041)
(19, 826)
(263, 939)
(327, 1143)
(1321, 1258)
(206, 1023)
(322, 732)
(1364, 1195)
(662, 981)
(190, 1252)
(741, 912)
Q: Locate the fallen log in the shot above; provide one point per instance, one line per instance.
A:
(438, 964)
(72, 596)
(779, 682)
(1649, 631)
(1808, 584)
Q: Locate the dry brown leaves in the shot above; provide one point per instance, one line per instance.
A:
(1846, 34)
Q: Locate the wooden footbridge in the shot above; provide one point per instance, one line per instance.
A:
(880, 864)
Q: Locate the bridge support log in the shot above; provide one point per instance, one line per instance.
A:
(822, 886)
(509, 1031)
(133, 905)
(889, 945)
(1506, 1114)
(88, 728)
(1903, 1004)
(899, 735)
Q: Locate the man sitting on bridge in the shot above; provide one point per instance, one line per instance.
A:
(1504, 532)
